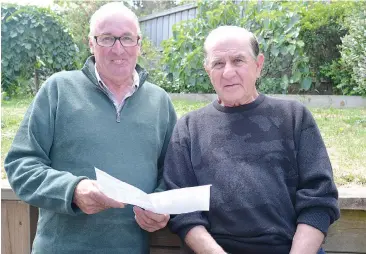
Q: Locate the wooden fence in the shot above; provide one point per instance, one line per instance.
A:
(347, 235)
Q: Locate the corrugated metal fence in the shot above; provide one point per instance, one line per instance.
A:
(158, 27)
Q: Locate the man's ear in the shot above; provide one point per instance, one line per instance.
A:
(91, 45)
(260, 62)
(139, 44)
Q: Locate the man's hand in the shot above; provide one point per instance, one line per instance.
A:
(90, 199)
(150, 221)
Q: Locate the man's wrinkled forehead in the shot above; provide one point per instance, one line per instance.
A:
(116, 20)
(228, 46)
(226, 52)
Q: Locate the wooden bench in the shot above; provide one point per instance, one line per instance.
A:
(347, 235)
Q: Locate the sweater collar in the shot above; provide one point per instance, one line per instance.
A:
(240, 108)
(89, 70)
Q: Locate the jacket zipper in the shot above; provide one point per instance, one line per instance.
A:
(118, 113)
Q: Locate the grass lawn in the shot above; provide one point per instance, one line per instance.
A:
(343, 130)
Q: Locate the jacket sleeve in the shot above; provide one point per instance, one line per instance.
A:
(172, 119)
(28, 165)
(178, 173)
(316, 197)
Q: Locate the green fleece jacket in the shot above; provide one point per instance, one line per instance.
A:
(70, 128)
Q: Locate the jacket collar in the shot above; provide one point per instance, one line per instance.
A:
(89, 70)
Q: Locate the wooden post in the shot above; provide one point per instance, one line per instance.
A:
(348, 234)
(18, 222)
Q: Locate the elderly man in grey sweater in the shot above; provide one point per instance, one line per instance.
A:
(272, 183)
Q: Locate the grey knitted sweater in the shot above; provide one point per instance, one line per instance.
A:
(269, 171)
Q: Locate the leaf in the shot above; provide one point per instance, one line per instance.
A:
(306, 83)
(293, 21)
(284, 50)
(296, 77)
(274, 51)
(192, 81)
(292, 49)
(13, 34)
(284, 82)
(300, 43)
(266, 23)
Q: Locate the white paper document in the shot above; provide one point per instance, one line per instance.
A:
(184, 200)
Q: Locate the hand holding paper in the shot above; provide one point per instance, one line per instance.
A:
(176, 201)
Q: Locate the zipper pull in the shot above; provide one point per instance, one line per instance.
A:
(118, 117)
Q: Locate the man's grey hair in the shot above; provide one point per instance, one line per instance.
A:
(110, 9)
(237, 31)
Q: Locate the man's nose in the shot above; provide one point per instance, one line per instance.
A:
(229, 71)
(117, 48)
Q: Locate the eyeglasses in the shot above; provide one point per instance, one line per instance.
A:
(109, 41)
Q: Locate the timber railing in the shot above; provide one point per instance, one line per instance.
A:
(347, 235)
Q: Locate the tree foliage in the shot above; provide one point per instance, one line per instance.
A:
(77, 14)
(143, 7)
(349, 71)
(321, 30)
(277, 30)
(34, 41)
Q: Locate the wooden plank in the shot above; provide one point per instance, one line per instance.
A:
(15, 227)
(164, 237)
(157, 250)
(348, 234)
(6, 191)
(352, 198)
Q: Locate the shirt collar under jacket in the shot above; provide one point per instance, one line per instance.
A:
(136, 79)
(118, 104)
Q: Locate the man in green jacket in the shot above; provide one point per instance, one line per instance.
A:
(105, 115)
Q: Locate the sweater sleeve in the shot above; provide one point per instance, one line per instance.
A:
(316, 197)
(172, 119)
(178, 173)
(28, 165)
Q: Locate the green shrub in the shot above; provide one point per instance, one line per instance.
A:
(348, 73)
(34, 43)
(277, 29)
(353, 51)
(321, 30)
(151, 61)
(183, 53)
